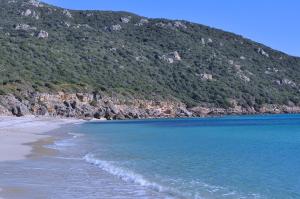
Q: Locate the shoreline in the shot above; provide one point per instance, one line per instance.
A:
(56, 128)
(17, 135)
(24, 138)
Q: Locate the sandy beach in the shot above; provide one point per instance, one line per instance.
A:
(17, 133)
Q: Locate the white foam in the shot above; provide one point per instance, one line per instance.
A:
(65, 143)
(76, 135)
(132, 177)
(129, 176)
(61, 144)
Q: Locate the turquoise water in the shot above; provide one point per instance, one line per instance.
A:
(230, 157)
(248, 157)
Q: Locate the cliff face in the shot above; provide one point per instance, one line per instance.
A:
(82, 105)
(85, 105)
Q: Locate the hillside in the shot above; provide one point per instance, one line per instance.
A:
(46, 49)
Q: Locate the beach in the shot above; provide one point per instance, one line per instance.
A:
(163, 158)
(16, 134)
(20, 136)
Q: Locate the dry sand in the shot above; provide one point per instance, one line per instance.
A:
(16, 133)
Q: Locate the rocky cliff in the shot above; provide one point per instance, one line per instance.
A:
(88, 106)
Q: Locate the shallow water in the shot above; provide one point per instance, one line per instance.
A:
(215, 158)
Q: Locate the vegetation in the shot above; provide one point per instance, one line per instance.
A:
(87, 51)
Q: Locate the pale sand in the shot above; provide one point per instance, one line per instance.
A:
(16, 133)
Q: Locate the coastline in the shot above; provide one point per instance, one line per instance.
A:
(71, 159)
(22, 137)
(16, 134)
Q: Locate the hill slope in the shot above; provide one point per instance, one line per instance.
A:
(46, 49)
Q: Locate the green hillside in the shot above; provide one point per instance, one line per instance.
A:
(47, 49)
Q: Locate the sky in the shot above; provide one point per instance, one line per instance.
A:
(275, 23)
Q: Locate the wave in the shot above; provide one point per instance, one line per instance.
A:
(76, 135)
(65, 143)
(131, 177)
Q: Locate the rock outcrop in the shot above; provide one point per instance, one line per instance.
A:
(27, 13)
(262, 52)
(142, 22)
(30, 13)
(179, 24)
(24, 27)
(206, 76)
(43, 34)
(125, 19)
(171, 57)
(67, 13)
(83, 105)
(116, 27)
(86, 105)
(34, 3)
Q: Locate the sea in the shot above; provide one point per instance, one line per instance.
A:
(233, 157)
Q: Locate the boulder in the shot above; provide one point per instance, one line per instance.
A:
(171, 57)
(43, 34)
(27, 13)
(73, 104)
(116, 27)
(243, 77)
(34, 3)
(205, 76)
(183, 112)
(67, 13)
(179, 24)
(20, 110)
(24, 27)
(142, 22)
(100, 113)
(42, 111)
(262, 52)
(125, 20)
(119, 117)
(203, 41)
(286, 82)
(4, 111)
(16, 106)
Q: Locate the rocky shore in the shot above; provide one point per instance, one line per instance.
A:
(88, 106)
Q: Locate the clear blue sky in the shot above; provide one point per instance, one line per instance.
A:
(275, 23)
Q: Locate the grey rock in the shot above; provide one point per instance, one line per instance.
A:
(34, 3)
(262, 52)
(125, 19)
(16, 106)
(24, 27)
(179, 24)
(100, 114)
(171, 57)
(205, 76)
(116, 27)
(42, 111)
(43, 34)
(27, 13)
(142, 22)
(67, 13)
(181, 111)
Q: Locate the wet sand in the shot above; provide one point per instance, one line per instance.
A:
(25, 137)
